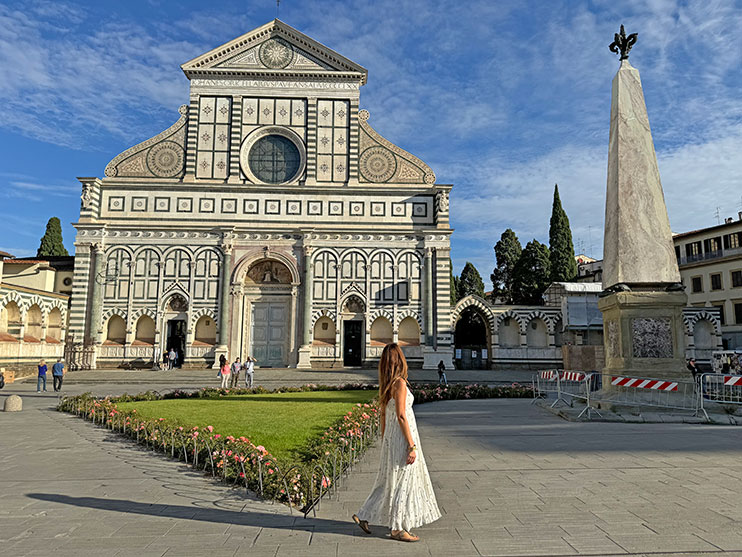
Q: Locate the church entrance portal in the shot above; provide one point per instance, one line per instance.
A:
(352, 343)
(269, 333)
(471, 341)
(176, 338)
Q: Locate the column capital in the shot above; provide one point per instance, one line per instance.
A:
(98, 247)
(428, 252)
(307, 250)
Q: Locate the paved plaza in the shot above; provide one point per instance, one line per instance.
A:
(511, 479)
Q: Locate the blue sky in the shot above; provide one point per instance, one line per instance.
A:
(503, 99)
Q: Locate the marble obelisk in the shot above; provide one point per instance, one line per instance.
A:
(643, 298)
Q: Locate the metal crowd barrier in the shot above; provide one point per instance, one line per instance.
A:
(567, 385)
(721, 389)
(652, 393)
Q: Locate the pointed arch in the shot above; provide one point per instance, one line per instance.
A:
(472, 300)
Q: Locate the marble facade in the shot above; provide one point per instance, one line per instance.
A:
(269, 220)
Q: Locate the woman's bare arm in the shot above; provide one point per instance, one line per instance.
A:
(400, 402)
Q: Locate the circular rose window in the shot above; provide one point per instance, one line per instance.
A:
(273, 156)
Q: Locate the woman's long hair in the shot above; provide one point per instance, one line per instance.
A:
(391, 366)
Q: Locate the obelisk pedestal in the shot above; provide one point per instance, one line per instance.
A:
(643, 299)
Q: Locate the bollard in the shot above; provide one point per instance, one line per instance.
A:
(13, 403)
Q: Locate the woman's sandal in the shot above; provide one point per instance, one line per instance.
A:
(405, 537)
(362, 523)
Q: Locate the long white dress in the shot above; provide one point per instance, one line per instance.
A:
(402, 497)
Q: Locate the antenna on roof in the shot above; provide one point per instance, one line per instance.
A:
(278, 6)
(717, 214)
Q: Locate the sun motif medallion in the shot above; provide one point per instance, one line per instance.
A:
(276, 53)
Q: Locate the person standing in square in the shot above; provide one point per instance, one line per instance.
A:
(236, 367)
(249, 371)
(42, 376)
(58, 375)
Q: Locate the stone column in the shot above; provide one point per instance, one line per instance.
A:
(305, 352)
(292, 340)
(224, 302)
(95, 326)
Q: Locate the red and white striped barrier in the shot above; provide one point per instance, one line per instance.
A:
(549, 375)
(572, 376)
(654, 384)
(730, 380)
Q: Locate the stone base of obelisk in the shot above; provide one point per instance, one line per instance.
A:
(643, 335)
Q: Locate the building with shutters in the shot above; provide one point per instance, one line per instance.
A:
(270, 220)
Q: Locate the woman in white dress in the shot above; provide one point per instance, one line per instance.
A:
(402, 497)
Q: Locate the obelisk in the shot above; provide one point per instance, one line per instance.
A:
(643, 299)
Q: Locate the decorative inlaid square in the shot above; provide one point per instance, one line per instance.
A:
(336, 208)
(162, 204)
(293, 207)
(378, 209)
(185, 205)
(651, 337)
(250, 206)
(314, 208)
(399, 209)
(419, 210)
(206, 205)
(139, 204)
(229, 205)
(356, 208)
(115, 203)
(272, 207)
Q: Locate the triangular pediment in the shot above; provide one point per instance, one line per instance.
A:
(273, 48)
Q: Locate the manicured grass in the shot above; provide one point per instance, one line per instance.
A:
(282, 422)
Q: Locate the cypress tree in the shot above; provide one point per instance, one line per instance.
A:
(507, 253)
(562, 251)
(52, 243)
(470, 282)
(531, 274)
(454, 284)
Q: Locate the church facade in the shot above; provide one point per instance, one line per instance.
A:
(270, 220)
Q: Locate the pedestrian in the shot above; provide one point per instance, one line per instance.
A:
(171, 356)
(249, 371)
(222, 360)
(442, 374)
(42, 376)
(402, 497)
(58, 374)
(236, 367)
(224, 370)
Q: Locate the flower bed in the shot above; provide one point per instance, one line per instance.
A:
(239, 461)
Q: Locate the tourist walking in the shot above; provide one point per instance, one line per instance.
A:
(249, 371)
(236, 367)
(42, 376)
(442, 380)
(58, 375)
(224, 371)
(402, 497)
(171, 356)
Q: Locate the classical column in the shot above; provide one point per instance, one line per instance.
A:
(305, 352)
(292, 339)
(96, 305)
(224, 302)
(428, 297)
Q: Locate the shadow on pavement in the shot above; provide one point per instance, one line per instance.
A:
(248, 518)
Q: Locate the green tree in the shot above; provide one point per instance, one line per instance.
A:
(470, 282)
(507, 253)
(562, 251)
(52, 243)
(454, 284)
(531, 274)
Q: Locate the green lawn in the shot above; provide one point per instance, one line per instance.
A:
(282, 422)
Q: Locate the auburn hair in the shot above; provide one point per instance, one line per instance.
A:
(392, 366)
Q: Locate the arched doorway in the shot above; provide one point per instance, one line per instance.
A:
(175, 320)
(472, 340)
(353, 316)
(266, 330)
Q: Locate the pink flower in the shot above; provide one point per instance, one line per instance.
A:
(210, 428)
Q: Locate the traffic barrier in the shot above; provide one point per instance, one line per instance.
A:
(721, 389)
(645, 383)
(542, 384)
(651, 392)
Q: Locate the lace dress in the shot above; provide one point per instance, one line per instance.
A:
(402, 497)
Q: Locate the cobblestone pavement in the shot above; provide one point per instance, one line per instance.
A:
(510, 478)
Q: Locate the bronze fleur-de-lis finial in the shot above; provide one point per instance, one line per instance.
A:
(622, 44)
